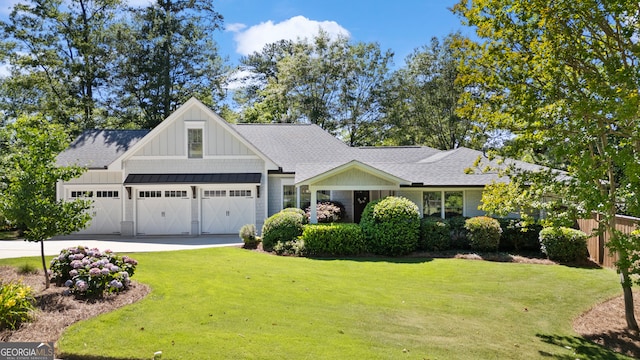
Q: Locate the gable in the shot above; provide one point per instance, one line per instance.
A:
(171, 140)
(354, 177)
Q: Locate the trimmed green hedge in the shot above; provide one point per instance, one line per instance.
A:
(564, 244)
(515, 236)
(281, 227)
(435, 234)
(333, 239)
(391, 226)
(484, 233)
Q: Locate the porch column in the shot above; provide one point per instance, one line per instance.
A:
(313, 215)
(298, 197)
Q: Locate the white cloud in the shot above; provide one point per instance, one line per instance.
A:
(235, 27)
(298, 27)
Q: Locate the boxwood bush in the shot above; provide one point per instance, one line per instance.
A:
(435, 234)
(516, 236)
(282, 227)
(333, 239)
(483, 233)
(391, 226)
(563, 244)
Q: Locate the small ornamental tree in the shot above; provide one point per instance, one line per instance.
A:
(30, 146)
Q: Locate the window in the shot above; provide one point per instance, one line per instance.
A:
(452, 203)
(240, 193)
(107, 194)
(81, 194)
(288, 196)
(150, 194)
(194, 141)
(432, 203)
(215, 193)
(175, 193)
(443, 203)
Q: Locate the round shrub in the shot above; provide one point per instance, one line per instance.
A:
(296, 210)
(435, 234)
(483, 233)
(249, 237)
(563, 244)
(391, 226)
(281, 227)
(333, 239)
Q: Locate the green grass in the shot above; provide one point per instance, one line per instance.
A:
(236, 304)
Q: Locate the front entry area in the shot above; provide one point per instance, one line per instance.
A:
(360, 201)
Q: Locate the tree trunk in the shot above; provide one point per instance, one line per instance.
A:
(632, 324)
(44, 266)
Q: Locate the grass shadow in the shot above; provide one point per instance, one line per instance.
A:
(373, 258)
(579, 346)
(93, 357)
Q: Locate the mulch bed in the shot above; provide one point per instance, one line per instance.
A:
(56, 311)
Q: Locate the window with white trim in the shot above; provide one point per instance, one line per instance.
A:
(445, 204)
(149, 194)
(240, 193)
(175, 193)
(194, 143)
(214, 193)
(107, 194)
(81, 194)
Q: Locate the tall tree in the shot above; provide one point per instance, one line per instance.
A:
(30, 174)
(58, 56)
(422, 97)
(565, 76)
(329, 82)
(167, 55)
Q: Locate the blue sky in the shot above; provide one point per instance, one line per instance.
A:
(400, 25)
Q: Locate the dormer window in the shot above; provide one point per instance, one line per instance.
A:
(194, 143)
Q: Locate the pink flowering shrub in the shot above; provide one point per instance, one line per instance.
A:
(92, 273)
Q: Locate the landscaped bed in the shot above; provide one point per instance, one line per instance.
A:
(234, 303)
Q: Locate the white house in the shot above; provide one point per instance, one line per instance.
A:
(197, 174)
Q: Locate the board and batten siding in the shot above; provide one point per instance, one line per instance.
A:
(171, 141)
(97, 177)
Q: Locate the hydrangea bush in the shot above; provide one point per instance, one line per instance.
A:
(90, 272)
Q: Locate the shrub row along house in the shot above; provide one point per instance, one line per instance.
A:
(197, 174)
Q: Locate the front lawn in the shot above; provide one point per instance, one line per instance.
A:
(237, 304)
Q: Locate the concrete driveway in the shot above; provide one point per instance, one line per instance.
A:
(21, 248)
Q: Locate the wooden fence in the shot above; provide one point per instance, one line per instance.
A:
(598, 251)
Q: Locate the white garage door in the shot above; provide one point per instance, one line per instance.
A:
(163, 212)
(106, 210)
(225, 211)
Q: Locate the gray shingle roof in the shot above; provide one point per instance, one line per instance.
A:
(290, 144)
(96, 149)
(308, 151)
